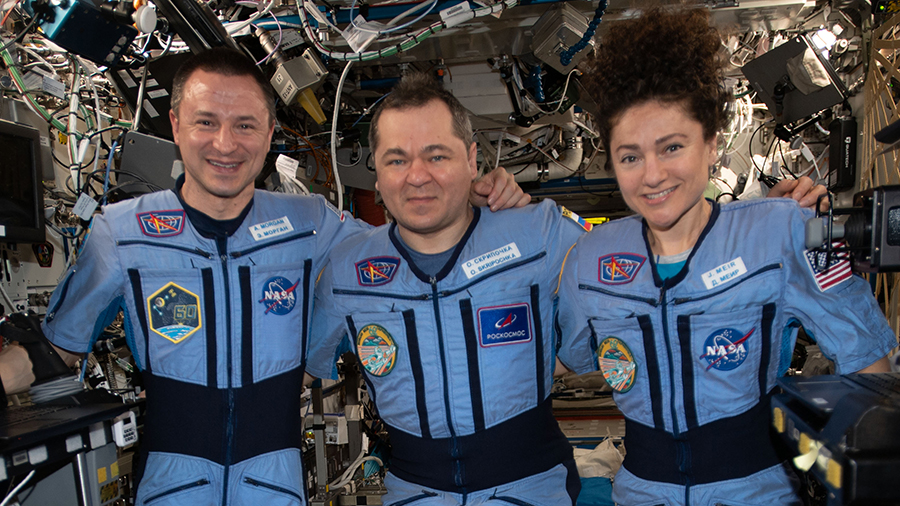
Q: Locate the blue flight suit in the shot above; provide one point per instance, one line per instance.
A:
(692, 359)
(219, 326)
(459, 364)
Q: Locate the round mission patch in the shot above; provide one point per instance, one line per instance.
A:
(376, 349)
(617, 364)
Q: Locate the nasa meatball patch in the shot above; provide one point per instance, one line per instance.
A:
(499, 325)
(278, 295)
(726, 349)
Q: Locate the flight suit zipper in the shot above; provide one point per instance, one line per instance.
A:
(681, 449)
(454, 444)
(222, 247)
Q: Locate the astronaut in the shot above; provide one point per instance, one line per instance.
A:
(465, 300)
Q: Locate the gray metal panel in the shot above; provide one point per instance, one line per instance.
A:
(150, 158)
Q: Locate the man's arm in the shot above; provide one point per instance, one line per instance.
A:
(15, 369)
(802, 190)
(69, 358)
(499, 190)
(880, 365)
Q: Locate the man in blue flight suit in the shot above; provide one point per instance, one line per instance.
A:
(214, 280)
(450, 312)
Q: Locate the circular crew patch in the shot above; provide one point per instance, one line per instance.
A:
(376, 349)
(617, 364)
(725, 349)
(278, 295)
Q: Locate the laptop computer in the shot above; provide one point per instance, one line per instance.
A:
(61, 402)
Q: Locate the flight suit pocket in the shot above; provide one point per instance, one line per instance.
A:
(257, 490)
(275, 299)
(500, 329)
(387, 355)
(727, 350)
(174, 304)
(625, 352)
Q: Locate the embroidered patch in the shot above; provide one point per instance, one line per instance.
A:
(376, 271)
(619, 268)
(376, 349)
(498, 325)
(271, 228)
(174, 312)
(490, 260)
(577, 219)
(617, 364)
(162, 223)
(724, 273)
(43, 252)
(829, 274)
(278, 295)
(725, 349)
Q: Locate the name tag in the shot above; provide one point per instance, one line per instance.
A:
(490, 260)
(724, 273)
(272, 228)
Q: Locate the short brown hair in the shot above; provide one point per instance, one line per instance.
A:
(670, 56)
(416, 90)
(224, 61)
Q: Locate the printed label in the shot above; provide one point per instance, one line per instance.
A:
(490, 260)
(724, 273)
(271, 228)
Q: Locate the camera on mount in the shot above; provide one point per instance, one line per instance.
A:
(871, 230)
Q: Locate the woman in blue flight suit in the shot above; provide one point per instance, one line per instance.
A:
(691, 309)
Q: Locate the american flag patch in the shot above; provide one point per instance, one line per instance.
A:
(830, 274)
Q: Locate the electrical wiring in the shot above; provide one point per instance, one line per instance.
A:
(21, 34)
(410, 40)
(562, 98)
(369, 109)
(233, 28)
(30, 102)
(112, 152)
(430, 4)
(277, 44)
(8, 498)
(9, 12)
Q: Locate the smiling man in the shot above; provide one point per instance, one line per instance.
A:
(450, 313)
(215, 281)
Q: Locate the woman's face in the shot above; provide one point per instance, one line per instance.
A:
(662, 161)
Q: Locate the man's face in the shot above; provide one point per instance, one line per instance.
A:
(424, 170)
(224, 131)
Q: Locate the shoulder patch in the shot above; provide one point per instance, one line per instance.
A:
(619, 268)
(829, 274)
(162, 223)
(376, 271)
(577, 219)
